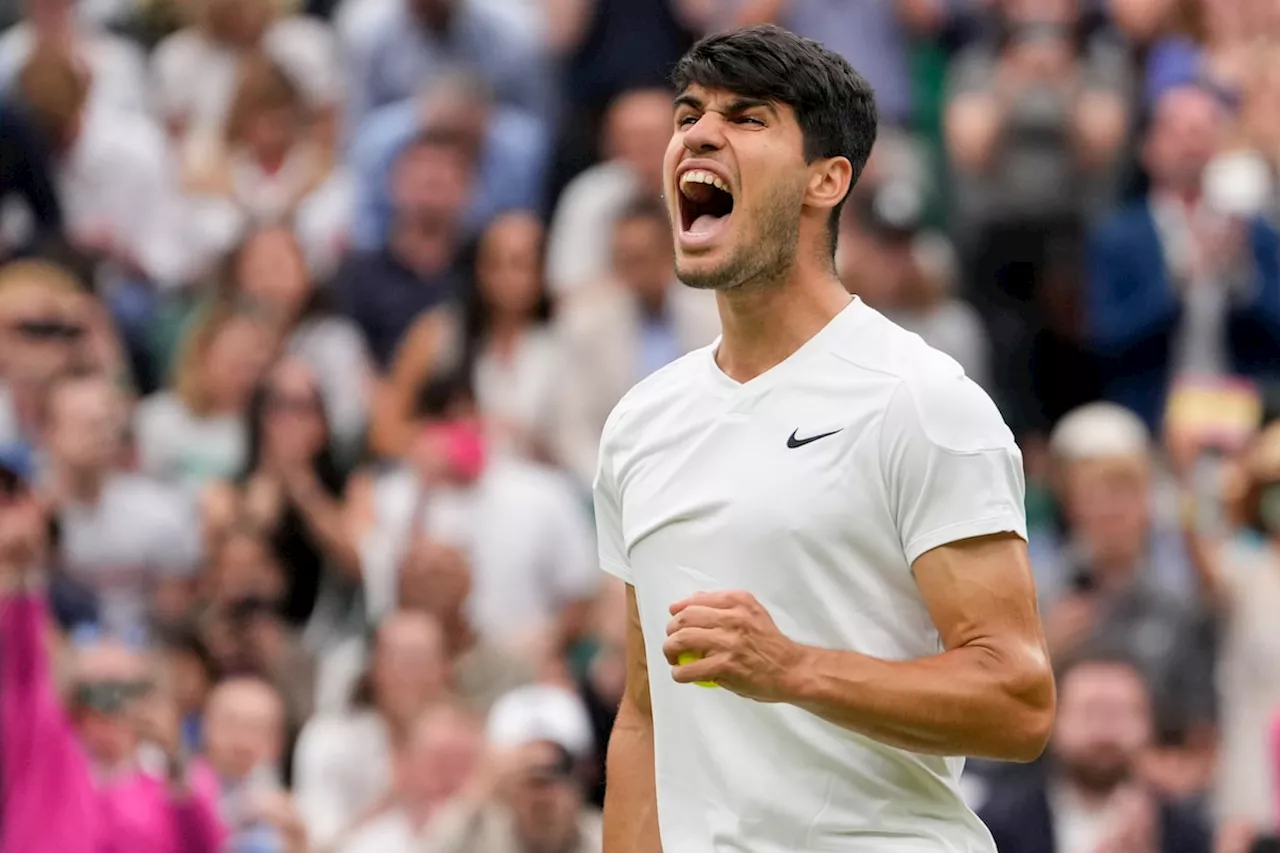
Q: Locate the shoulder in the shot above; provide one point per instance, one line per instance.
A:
(180, 51)
(651, 396)
(139, 490)
(928, 392)
(1122, 224)
(158, 408)
(601, 181)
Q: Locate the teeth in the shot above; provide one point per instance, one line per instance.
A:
(702, 176)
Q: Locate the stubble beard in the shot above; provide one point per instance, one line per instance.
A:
(764, 255)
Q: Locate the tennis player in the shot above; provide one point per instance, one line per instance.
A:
(818, 514)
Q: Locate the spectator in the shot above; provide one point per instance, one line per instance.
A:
(535, 801)
(506, 342)
(343, 766)
(385, 289)
(604, 678)
(1176, 287)
(116, 65)
(890, 261)
(420, 39)
(635, 321)
(290, 490)
(1112, 596)
(1241, 579)
(120, 726)
(1035, 123)
(198, 432)
(194, 70)
(435, 579)
(1094, 798)
(245, 727)
(131, 542)
(265, 165)
(113, 172)
(519, 524)
(266, 276)
(637, 127)
(194, 673)
(243, 625)
(45, 326)
(509, 145)
(27, 172)
(439, 761)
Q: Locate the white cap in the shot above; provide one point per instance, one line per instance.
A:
(541, 712)
(1098, 431)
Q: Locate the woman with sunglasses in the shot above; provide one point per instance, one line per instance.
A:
(106, 772)
(290, 490)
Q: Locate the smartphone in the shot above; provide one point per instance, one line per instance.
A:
(1214, 414)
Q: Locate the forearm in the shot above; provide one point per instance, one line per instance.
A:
(631, 798)
(326, 520)
(972, 701)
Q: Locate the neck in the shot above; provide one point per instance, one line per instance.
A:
(421, 248)
(417, 812)
(653, 303)
(459, 636)
(765, 323)
(83, 486)
(505, 329)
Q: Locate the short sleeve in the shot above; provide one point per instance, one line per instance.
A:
(608, 511)
(951, 466)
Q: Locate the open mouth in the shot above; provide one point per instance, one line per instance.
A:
(706, 204)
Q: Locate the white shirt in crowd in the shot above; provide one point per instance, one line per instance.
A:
(195, 78)
(341, 767)
(526, 535)
(521, 390)
(814, 486)
(580, 236)
(180, 448)
(137, 534)
(117, 66)
(119, 181)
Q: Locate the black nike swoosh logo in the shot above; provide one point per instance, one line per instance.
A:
(801, 442)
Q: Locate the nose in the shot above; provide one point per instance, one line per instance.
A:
(706, 134)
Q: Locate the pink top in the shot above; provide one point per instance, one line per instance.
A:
(51, 803)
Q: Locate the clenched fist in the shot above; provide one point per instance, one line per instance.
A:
(736, 643)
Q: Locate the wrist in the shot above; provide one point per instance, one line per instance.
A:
(799, 681)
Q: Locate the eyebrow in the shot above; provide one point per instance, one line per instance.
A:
(736, 107)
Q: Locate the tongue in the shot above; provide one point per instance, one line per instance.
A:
(704, 223)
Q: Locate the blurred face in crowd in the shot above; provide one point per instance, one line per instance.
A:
(85, 424)
(243, 727)
(881, 269)
(1062, 12)
(442, 754)
(509, 265)
(642, 258)
(545, 798)
(293, 413)
(436, 579)
(431, 184)
(409, 665)
(1103, 724)
(238, 22)
(434, 14)
(236, 358)
(637, 130)
(245, 568)
(271, 273)
(1186, 133)
(1108, 506)
(110, 680)
(42, 329)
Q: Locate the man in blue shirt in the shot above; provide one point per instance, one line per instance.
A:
(511, 148)
(413, 270)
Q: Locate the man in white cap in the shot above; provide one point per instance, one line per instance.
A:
(532, 800)
(1112, 594)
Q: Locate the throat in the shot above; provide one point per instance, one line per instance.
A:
(763, 327)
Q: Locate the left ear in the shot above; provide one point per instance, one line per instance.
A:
(829, 182)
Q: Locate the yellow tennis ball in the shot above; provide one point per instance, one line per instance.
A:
(688, 658)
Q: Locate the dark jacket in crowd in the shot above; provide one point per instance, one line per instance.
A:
(1022, 821)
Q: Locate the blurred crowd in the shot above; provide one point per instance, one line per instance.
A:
(311, 313)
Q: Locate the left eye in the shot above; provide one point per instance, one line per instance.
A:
(749, 120)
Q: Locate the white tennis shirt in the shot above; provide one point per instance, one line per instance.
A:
(710, 484)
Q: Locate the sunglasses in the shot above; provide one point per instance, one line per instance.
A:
(49, 330)
(109, 697)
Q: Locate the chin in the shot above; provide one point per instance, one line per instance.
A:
(714, 271)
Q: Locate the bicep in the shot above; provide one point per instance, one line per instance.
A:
(637, 692)
(980, 593)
